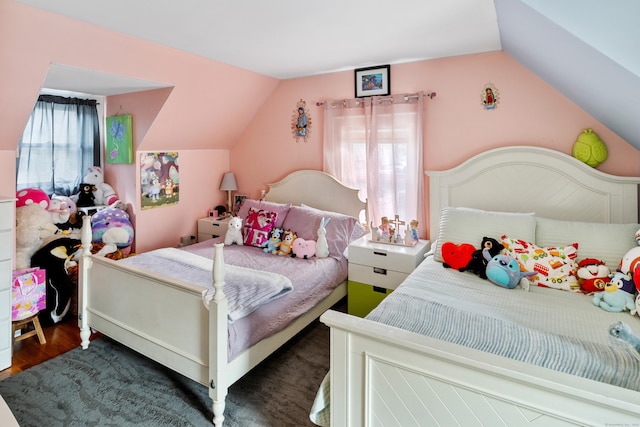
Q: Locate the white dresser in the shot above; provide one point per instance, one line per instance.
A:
(7, 223)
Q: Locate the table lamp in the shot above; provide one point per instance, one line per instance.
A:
(229, 184)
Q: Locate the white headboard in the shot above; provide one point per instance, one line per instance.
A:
(316, 189)
(533, 179)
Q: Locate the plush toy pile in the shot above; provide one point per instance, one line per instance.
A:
(510, 263)
(258, 229)
(48, 236)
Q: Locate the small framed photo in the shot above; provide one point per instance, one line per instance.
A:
(373, 81)
(237, 202)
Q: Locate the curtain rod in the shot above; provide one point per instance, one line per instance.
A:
(429, 95)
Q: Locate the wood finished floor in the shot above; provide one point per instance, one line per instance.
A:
(27, 353)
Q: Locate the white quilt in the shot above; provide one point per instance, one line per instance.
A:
(246, 289)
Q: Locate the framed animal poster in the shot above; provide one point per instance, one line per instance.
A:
(159, 179)
(120, 139)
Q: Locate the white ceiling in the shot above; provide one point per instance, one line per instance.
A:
(287, 38)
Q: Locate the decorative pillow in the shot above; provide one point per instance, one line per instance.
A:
(556, 265)
(305, 221)
(465, 225)
(279, 208)
(607, 242)
(457, 256)
(257, 226)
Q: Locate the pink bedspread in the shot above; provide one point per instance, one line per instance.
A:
(312, 280)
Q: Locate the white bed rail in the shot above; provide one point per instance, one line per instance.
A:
(384, 376)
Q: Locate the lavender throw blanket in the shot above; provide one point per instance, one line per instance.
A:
(246, 289)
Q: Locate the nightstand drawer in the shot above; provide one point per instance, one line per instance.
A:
(392, 257)
(208, 228)
(363, 298)
(376, 276)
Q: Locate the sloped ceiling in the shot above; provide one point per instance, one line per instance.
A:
(586, 49)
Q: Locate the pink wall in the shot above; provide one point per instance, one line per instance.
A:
(209, 106)
(456, 124)
(223, 118)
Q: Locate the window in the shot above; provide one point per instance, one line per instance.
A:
(375, 145)
(60, 142)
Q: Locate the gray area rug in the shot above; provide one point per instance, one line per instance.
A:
(110, 385)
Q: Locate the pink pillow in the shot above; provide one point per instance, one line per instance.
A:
(280, 209)
(304, 221)
(257, 226)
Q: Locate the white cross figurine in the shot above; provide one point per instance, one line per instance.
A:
(398, 222)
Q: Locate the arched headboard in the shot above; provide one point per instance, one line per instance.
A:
(316, 189)
(534, 179)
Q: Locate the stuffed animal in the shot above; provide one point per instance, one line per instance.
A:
(617, 295)
(66, 204)
(630, 262)
(103, 193)
(234, 232)
(60, 215)
(592, 275)
(284, 247)
(478, 263)
(303, 248)
(29, 196)
(456, 256)
(504, 270)
(112, 226)
(623, 332)
(271, 245)
(33, 226)
(54, 257)
(322, 246)
(85, 196)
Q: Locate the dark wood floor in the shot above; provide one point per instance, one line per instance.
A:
(61, 337)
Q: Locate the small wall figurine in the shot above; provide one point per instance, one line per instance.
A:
(414, 229)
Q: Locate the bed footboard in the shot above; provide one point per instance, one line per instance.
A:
(384, 376)
(164, 319)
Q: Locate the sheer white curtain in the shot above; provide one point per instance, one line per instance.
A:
(375, 144)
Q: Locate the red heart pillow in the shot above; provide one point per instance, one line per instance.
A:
(457, 256)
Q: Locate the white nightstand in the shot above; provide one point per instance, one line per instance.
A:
(376, 269)
(210, 227)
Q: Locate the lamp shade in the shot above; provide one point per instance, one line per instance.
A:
(228, 182)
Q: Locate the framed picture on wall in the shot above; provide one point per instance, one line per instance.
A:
(373, 81)
(159, 179)
(120, 139)
(237, 202)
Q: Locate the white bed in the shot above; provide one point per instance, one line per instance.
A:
(387, 376)
(166, 320)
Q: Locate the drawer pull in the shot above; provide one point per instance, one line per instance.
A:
(379, 270)
(379, 290)
(380, 253)
(213, 224)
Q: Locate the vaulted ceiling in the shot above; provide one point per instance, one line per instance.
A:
(586, 49)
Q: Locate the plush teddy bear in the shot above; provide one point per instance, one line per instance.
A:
(85, 196)
(103, 193)
(234, 232)
(478, 263)
(33, 226)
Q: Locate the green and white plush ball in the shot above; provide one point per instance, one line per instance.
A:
(589, 148)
